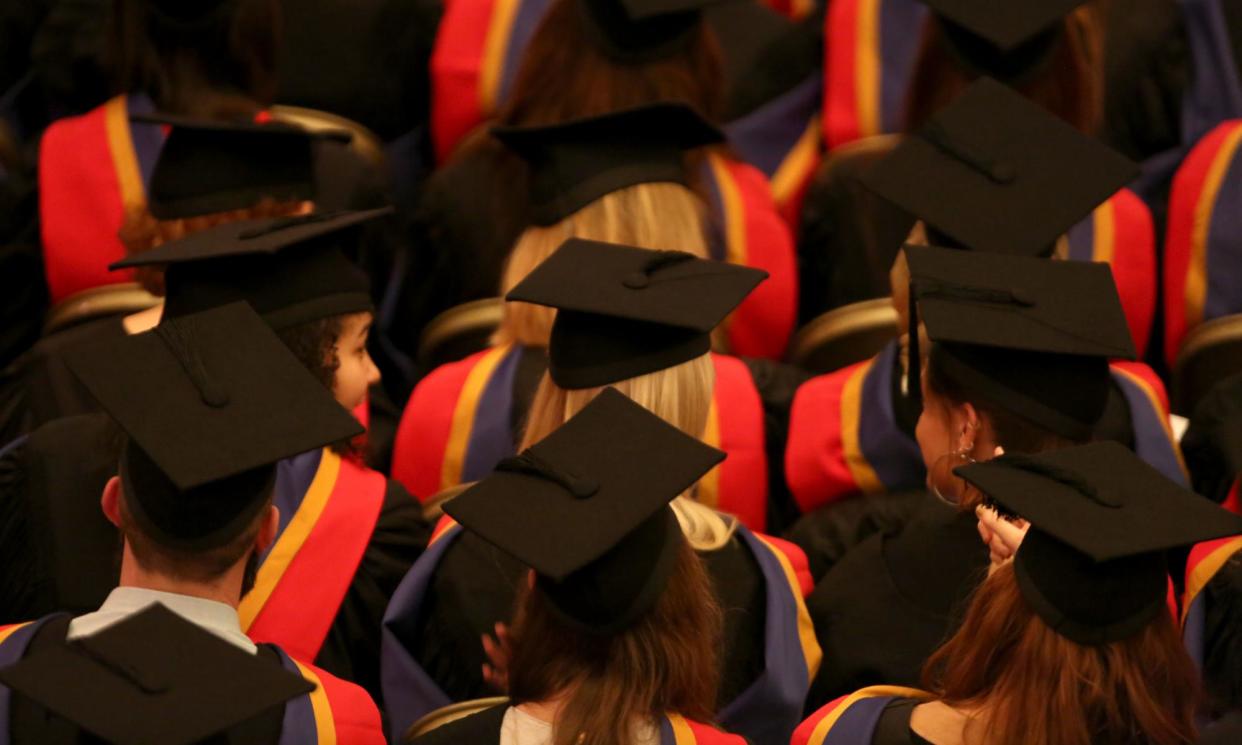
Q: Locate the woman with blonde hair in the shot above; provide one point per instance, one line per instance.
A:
(640, 322)
(1069, 642)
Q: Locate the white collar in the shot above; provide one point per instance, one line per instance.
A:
(210, 615)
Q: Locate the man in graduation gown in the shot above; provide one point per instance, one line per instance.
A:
(208, 404)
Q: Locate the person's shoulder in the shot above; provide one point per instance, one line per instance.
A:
(350, 709)
(482, 727)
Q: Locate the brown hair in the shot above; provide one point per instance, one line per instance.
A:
(223, 64)
(666, 662)
(1069, 85)
(142, 232)
(193, 566)
(1032, 686)
(564, 76)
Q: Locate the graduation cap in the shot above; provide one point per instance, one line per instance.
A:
(210, 403)
(576, 162)
(187, 11)
(624, 311)
(292, 270)
(153, 679)
(587, 509)
(1009, 40)
(1212, 445)
(995, 172)
(1029, 335)
(210, 166)
(1092, 565)
(636, 31)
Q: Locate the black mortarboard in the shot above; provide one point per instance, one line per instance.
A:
(212, 166)
(290, 269)
(624, 311)
(634, 31)
(576, 162)
(153, 679)
(586, 508)
(1001, 39)
(1092, 565)
(210, 402)
(1029, 335)
(1212, 444)
(995, 172)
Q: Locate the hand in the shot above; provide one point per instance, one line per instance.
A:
(499, 651)
(1001, 536)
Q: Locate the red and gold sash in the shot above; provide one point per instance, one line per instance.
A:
(677, 730)
(335, 713)
(739, 485)
(851, 719)
(92, 168)
(305, 575)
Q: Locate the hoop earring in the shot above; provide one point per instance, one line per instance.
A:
(946, 485)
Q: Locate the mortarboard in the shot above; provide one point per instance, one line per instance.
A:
(633, 31)
(587, 509)
(995, 172)
(210, 402)
(1008, 40)
(187, 11)
(576, 162)
(213, 166)
(1092, 565)
(1212, 445)
(153, 679)
(292, 270)
(1030, 335)
(624, 311)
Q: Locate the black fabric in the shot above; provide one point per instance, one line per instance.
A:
(31, 723)
(474, 587)
(888, 604)
(1212, 444)
(767, 56)
(777, 383)
(894, 725)
(352, 648)
(23, 287)
(1227, 731)
(38, 386)
(482, 728)
(63, 553)
(828, 534)
(1222, 638)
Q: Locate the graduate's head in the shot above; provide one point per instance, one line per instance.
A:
(1050, 52)
(572, 69)
(619, 178)
(296, 273)
(202, 57)
(210, 403)
(1018, 357)
(1074, 636)
(618, 618)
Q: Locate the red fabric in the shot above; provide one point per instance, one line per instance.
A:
(1232, 502)
(802, 734)
(797, 560)
(444, 523)
(456, 62)
(1187, 187)
(354, 714)
(1134, 264)
(422, 434)
(815, 466)
(762, 325)
(1147, 375)
(705, 734)
(743, 484)
(840, 118)
(80, 206)
(304, 603)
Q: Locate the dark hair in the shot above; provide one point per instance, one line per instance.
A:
(1033, 686)
(222, 63)
(564, 76)
(1068, 84)
(314, 344)
(1014, 433)
(666, 662)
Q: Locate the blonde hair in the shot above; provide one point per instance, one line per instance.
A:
(658, 216)
(680, 395)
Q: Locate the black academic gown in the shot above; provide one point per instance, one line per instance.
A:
(61, 553)
(893, 728)
(883, 609)
(475, 585)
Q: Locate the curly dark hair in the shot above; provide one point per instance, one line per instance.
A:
(314, 344)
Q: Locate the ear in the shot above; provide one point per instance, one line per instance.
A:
(111, 501)
(530, 579)
(267, 530)
(966, 421)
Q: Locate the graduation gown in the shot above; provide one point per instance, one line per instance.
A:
(1211, 609)
(336, 709)
(879, 715)
(850, 431)
(466, 416)
(462, 586)
(483, 728)
(347, 537)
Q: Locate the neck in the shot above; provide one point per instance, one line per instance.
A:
(225, 589)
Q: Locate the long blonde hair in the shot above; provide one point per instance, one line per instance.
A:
(659, 216)
(680, 395)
